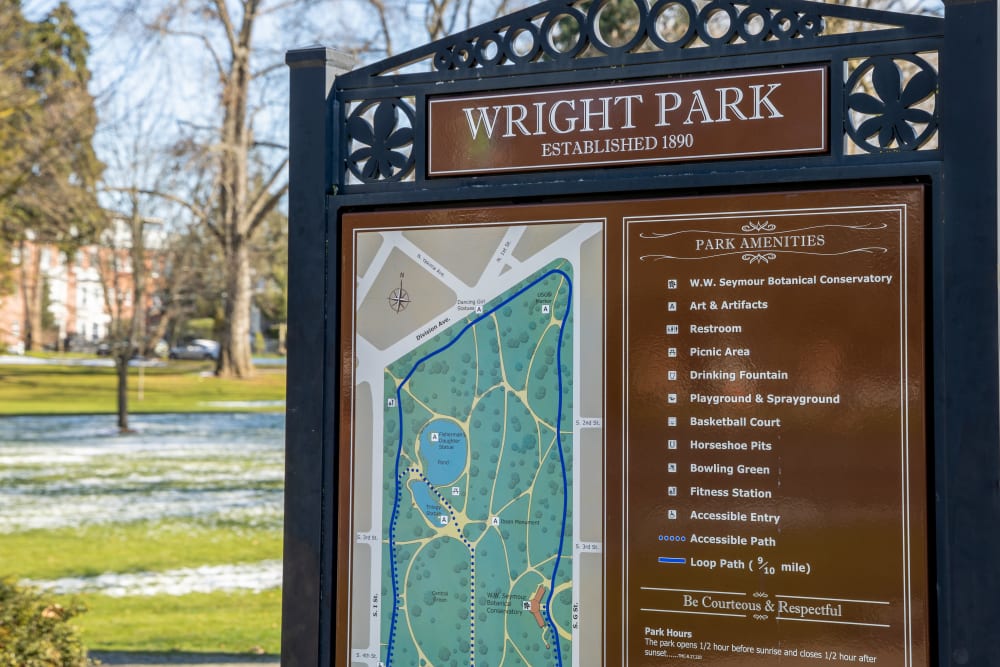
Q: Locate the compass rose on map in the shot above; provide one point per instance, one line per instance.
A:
(399, 299)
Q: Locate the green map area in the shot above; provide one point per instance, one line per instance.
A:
(477, 498)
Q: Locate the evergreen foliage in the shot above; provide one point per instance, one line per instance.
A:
(48, 168)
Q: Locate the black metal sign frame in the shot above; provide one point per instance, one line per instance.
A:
(912, 99)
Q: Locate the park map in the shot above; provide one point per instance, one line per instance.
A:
(475, 528)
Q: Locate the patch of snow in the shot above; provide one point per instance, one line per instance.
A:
(68, 471)
(243, 404)
(11, 360)
(254, 577)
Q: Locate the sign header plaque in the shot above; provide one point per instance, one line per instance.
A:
(750, 114)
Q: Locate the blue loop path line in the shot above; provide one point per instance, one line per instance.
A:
(396, 597)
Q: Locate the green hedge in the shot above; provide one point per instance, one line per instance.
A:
(35, 630)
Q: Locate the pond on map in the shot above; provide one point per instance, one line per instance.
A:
(59, 472)
(427, 502)
(443, 450)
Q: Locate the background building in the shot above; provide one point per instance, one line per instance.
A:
(74, 292)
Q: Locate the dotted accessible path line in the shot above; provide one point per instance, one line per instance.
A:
(472, 558)
(396, 595)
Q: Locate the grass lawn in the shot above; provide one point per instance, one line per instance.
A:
(176, 387)
(197, 623)
(164, 468)
(147, 546)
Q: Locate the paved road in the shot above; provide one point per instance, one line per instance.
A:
(185, 659)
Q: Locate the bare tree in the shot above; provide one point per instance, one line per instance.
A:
(247, 185)
(124, 261)
(121, 265)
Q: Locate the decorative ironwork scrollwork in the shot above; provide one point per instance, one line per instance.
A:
(380, 140)
(561, 31)
(891, 103)
(568, 30)
(889, 100)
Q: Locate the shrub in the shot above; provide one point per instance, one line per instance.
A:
(35, 630)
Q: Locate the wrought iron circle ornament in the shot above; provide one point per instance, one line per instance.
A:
(664, 25)
(891, 116)
(383, 130)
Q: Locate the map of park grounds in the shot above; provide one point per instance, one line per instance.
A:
(470, 556)
(477, 453)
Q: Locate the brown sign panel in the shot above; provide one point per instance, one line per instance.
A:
(779, 112)
(775, 503)
(636, 432)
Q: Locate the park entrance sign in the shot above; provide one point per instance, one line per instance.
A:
(779, 112)
(648, 352)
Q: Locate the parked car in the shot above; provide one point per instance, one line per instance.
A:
(199, 348)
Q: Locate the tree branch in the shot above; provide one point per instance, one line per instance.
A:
(267, 70)
(219, 67)
(261, 201)
(270, 144)
(201, 214)
(222, 11)
(266, 207)
(383, 20)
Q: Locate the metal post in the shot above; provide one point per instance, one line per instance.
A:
(966, 431)
(308, 586)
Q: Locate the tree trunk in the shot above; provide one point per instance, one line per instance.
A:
(31, 295)
(235, 222)
(159, 331)
(121, 365)
(234, 355)
(126, 333)
(137, 328)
